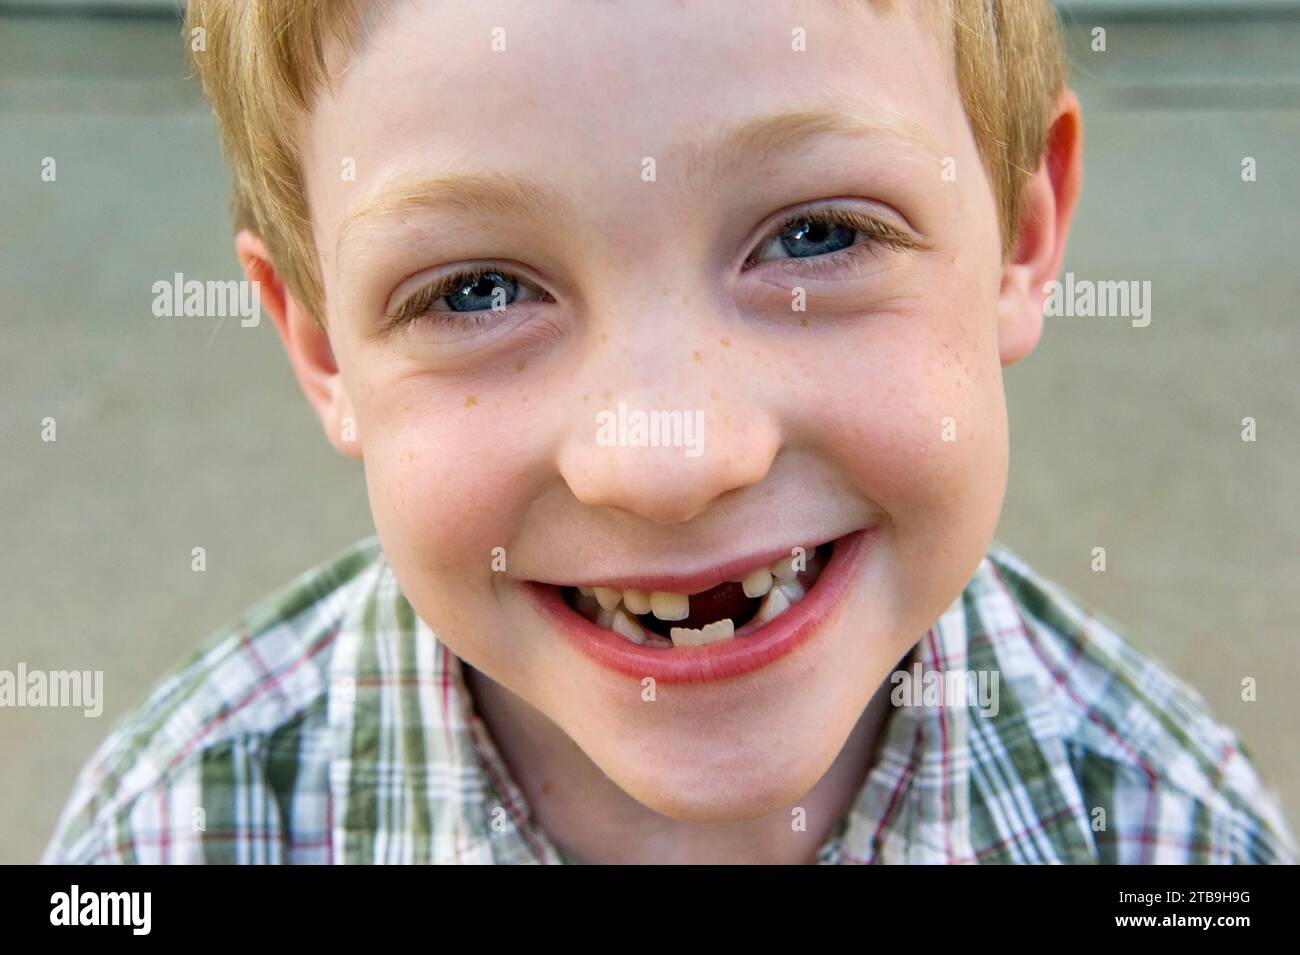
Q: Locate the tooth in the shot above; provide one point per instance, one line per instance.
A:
(636, 601)
(757, 582)
(794, 590)
(624, 624)
(585, 591)
(605, 618)
(784, 569)
(774, 603)
(686, 637)
(722, 629)
(668, 606)
(608, 597)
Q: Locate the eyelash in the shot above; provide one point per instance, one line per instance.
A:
(419, 305)
(877, 233)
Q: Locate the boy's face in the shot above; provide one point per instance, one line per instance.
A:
(654, 268)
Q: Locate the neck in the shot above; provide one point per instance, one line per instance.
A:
(590, 818)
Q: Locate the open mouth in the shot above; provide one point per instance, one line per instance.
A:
(710, 626)
(732, 609)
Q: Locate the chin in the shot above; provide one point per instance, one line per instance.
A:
(703, 794)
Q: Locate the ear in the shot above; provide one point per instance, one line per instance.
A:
(307, 344)
(1047, 207)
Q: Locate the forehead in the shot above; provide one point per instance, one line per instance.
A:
(579, 93)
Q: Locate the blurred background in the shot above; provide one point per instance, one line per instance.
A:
(185, 433)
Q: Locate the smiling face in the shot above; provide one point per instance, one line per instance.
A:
(645, 188)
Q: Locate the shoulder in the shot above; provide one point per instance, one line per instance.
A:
(1161, 778)
(227, 747)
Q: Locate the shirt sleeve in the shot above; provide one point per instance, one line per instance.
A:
(1138, 819)
(219, 806)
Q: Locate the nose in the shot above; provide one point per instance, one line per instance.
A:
(671, 444)
(613, 460)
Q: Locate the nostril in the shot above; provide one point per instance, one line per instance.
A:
(608, 463)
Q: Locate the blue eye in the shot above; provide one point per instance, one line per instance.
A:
(821, 233)
(483, 290)
(475, 294)
(805, 237)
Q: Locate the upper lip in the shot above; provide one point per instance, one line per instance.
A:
(698, 581)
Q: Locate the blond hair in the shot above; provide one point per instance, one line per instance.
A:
(263, 62)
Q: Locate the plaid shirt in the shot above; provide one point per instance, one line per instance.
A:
(331, 725)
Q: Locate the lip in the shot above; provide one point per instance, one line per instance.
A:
(726, 659)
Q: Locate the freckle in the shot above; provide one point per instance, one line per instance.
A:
(604, 337)
(699, 358)
(726, 342)
(713, 393)
(546, 789)
(607, 395)
(586, 397)
(470, 401)
(803, 322)
(521, 365)
(771, 491)
(686, 300)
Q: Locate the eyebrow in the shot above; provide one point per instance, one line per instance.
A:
(488, 194)
(738, 144)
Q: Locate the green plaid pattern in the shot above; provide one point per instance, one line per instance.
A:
(330, 725)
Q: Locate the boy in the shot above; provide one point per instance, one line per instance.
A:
(670, 338)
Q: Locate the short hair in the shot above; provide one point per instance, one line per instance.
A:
(263, 62)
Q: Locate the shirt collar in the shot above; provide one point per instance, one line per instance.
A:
(416, 778)
(414, 774)
(916, 804)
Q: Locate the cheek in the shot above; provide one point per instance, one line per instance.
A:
(915, 415)
(445, 482)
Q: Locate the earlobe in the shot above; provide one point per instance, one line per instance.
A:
(1020, 315)
(1046, 211)
(306, 343)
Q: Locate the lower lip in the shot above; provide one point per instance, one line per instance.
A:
(717, 661)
